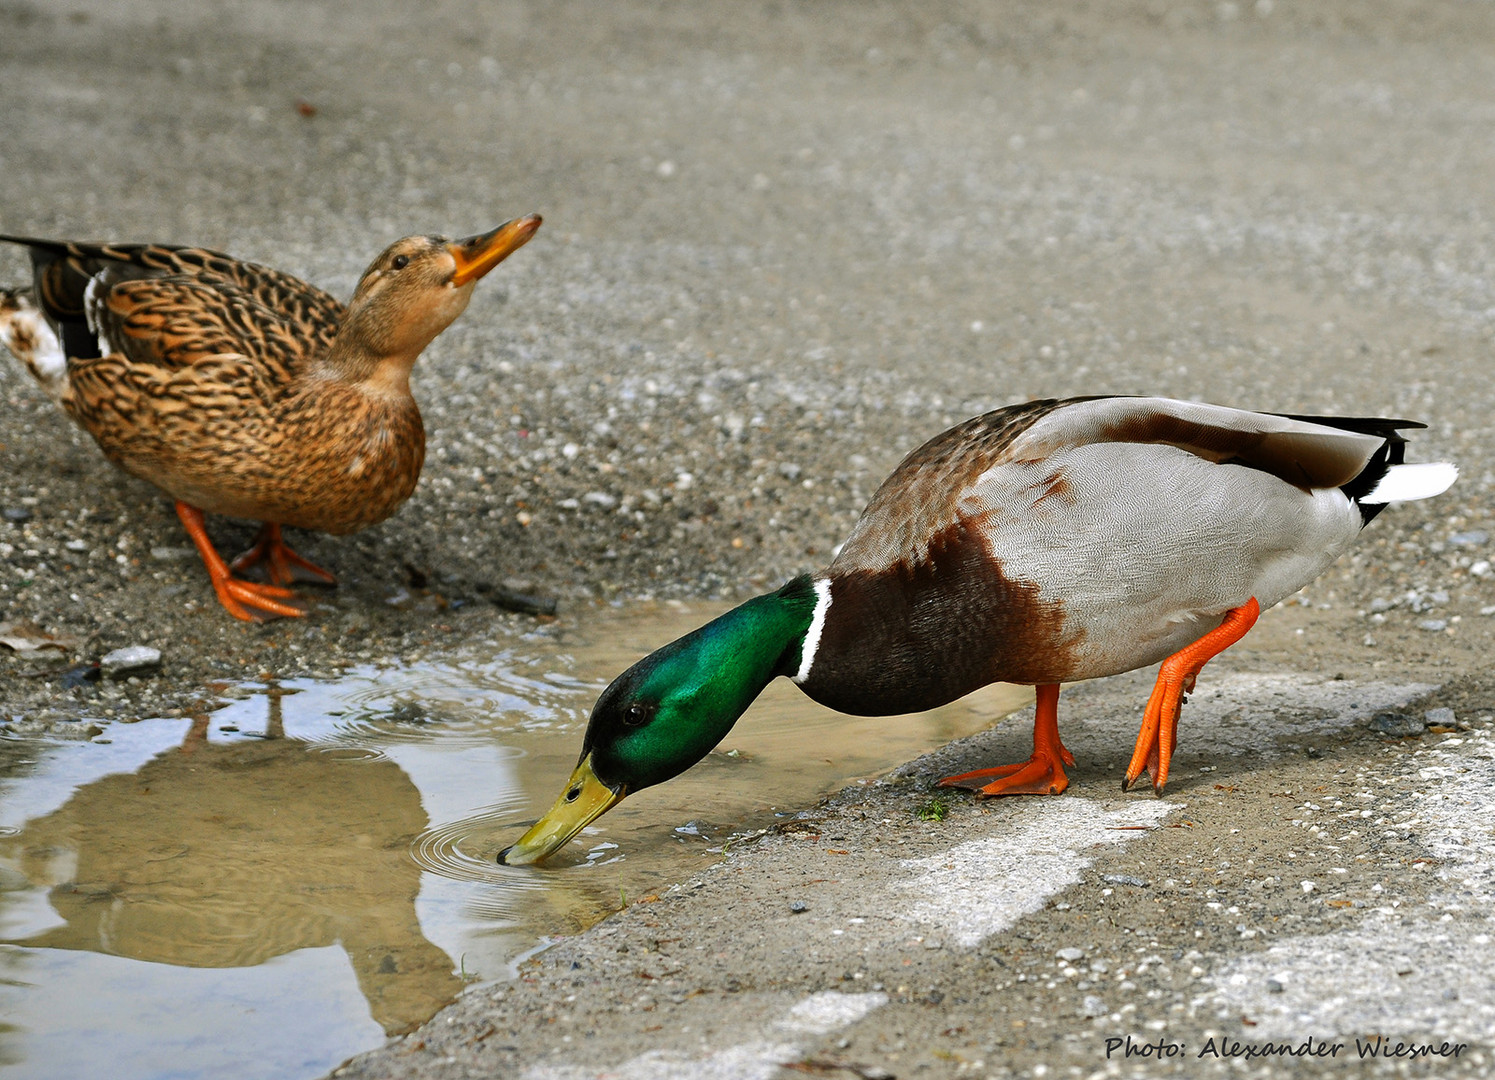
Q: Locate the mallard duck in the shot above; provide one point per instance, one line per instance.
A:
(243, 391)
(1042, 543)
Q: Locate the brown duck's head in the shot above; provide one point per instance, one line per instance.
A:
(414, 290)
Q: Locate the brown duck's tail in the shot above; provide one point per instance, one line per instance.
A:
(27, 334)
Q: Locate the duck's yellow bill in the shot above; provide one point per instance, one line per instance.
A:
(476, 255)
(585, 800)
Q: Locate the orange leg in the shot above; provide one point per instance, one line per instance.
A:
(1159, 735)
(196, 737)
(281, 563)
(1041, 774)
(243, 599)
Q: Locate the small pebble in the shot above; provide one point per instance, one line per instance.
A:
(16, 515)
(1440, 718)
(1397, 724)
(1274, 987)
(172, 554)
(799, 907)
(133, 660)
(1070, 954)
(1093, 1007)
(1126, 879)
(1432, 625)
(79, 675)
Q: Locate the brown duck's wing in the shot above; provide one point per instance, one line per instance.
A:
(183, 303)
(939, 484)
(174, 322)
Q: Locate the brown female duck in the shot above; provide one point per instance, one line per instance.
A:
(244, 391)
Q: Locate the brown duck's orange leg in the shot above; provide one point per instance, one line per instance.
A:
(1159, 735)
(281, 563)
(1041, 774)
(243, 599)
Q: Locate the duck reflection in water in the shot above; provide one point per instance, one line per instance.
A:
(231, 854)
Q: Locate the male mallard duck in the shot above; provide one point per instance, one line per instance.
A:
(1041, 543)
(244, 391)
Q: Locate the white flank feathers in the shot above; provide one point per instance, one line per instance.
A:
(92, 301)
(817, 626)
(1404, 483)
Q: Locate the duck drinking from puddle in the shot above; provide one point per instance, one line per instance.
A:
(1041, 543)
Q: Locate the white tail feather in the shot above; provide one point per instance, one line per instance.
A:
(1403, 483)
(26, 333)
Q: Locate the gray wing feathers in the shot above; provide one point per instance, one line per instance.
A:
(951, 477)
(1303, 454)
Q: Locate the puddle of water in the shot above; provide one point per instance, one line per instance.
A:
(273, 888)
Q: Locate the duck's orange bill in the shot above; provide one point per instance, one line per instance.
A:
(476, 255)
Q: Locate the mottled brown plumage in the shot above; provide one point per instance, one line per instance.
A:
(244, 391)
(922, 498)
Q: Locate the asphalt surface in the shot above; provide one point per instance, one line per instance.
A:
(784, 244)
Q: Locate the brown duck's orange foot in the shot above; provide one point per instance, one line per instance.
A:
(247, 600)
(1158, 737)
(1041, 774)
(282, 565)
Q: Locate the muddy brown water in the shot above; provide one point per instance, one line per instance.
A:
(276, 886)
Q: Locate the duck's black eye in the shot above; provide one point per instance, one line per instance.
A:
(399, 262)
(636, 714)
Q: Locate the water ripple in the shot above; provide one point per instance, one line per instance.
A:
(467, 849)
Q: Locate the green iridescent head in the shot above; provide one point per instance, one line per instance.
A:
(667, 711)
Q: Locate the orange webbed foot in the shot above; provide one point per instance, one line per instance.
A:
(1041, 774)
(1158, 737)
(247, 600)
(243, 599)
(282, 565)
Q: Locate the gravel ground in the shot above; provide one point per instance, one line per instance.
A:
(1323, 886)
(785, 243)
